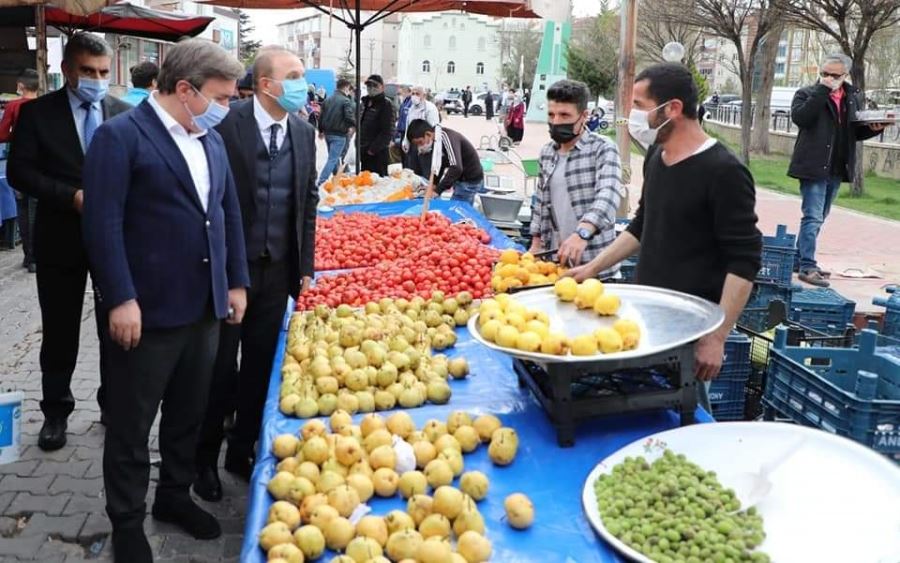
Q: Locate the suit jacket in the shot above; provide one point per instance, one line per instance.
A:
(240, 132)
(45, 162)
(145, 231)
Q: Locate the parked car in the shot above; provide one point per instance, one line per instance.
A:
(451, 100)
(477, 105)
(723, 99)
(608, 106)
(781, 99)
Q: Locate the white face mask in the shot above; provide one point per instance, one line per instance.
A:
(416, 99)
(639, 126)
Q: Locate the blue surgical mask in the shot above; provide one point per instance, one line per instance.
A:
(294, 94)
(211, 116)
(92, 89)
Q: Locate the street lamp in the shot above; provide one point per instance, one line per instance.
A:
(673, 52)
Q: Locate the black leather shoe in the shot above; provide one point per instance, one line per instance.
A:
(189, 517)
(207, 484)
(32, 268)
(53, 434)
(130, 545)
(240, 465)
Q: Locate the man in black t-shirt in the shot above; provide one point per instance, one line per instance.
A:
(460, 165)
(695, 226)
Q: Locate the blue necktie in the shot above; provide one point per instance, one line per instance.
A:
(90, 123)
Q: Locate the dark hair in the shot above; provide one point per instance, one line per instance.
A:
(417, 129)
(671, 81)
(143, 74)
(342, 83)
(29, 79)
(569, 92)
(86, 43)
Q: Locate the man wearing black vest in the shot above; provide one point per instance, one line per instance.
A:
(272, 155)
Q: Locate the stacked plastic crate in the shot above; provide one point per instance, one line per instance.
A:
(891, 304)
(822, 309)
(773, 282)
(727, 391)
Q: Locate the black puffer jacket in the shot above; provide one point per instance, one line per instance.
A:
(814, 113)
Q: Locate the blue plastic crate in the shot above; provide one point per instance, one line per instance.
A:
(730, 410)
(818, 387)
(891, 303)
(778, 255)
(822, 309)
(730, 384)
(756, 312)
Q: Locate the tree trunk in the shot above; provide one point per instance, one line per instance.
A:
(762, 112)
(859, 81)
(746, 113)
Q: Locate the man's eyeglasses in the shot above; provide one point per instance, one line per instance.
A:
(824, 74)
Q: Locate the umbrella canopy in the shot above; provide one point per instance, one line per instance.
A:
(80, 7)
(127, 19)
(497, 8)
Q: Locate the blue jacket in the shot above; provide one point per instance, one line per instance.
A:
(135, 96)
(145, 231)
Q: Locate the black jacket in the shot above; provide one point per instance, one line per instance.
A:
(239, 131)
(337, 115)
(459, 161)
(45, 162)
(376, 124)
(814, 113)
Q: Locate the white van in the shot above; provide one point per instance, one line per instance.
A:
(781, 99)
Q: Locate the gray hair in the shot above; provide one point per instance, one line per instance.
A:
(838, 58)
(88, 43)
(196, 61)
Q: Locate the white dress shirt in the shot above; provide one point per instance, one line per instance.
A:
(265, 121)
(190, 147)
(79, 113)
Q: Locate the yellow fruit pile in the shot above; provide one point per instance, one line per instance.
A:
(323, 477)
(515, 270)
(507, 323)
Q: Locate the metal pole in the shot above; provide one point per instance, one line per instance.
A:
(357, 32)
(627, 36)
(40, 24)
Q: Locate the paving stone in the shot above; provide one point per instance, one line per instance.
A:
(70, 468)
(233, 544)
(20, 548)
(58, 527)
(22, 468)
(34, 452)
(95, 526)
(9, 526)
(88, 452)
(174, 546)
(16, 483)
(28, 503)
(67, 484)
(95, 470)
(83, 504)
(5, 499)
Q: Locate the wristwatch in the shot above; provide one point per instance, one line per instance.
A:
(584, 234)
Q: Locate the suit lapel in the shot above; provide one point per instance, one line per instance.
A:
(149, 123)
(214, 180)
(248, 131)
(68, 131)
(296, 148)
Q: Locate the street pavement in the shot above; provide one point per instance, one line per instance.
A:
(52, 504)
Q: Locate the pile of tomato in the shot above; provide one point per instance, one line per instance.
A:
(451, 267)
(356, 240)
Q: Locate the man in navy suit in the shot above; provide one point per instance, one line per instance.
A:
(162, 229)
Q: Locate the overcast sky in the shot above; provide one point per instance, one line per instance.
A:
(265, 21)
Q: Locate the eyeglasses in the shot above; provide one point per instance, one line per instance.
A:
(824, 74)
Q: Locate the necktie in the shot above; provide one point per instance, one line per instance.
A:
(90, 123)
(273, 140)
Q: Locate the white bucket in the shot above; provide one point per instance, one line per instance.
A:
(10, 418)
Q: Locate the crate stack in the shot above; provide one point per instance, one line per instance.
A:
(773, 281)
(891, 304)
(851, 392)
(727, 391)
(821, 309)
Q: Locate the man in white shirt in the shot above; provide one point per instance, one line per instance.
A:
(272, 154)
(421, 108)
(162, 230)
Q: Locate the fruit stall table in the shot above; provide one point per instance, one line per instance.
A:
(551, 476)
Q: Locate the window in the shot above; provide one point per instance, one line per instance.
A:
(426, 66)
(481, 43)
(427, 40)
(452, 44)
(479, 68)
(782, 51)
(779, 68)
(451, 67)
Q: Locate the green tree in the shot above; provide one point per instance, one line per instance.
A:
(701, 81)
(592, 53)
(519, 41)
(247, 46)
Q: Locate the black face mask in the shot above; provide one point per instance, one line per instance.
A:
(563, 132)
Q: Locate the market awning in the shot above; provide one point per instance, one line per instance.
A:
(72, 6)
(383, 8)
(128, 19)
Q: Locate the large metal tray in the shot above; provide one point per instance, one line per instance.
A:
(667, 318)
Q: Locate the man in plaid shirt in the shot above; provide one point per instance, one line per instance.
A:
(580, 183)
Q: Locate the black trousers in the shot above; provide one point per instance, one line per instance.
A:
(171, 366)
(25, 208)
(61, 296)
(257, 338)
(377, 162)
(465, 110)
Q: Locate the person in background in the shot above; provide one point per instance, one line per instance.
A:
(337, 124)
(421, 108)
(515, 120)
(245, 85)
(376, 127)
(466, 100)
(580, 185)
(397, 142)
(51, 137)
(695, 226)
(460, 164)
(27, 89)
(162, 229)
(489, 105)
(825, 152)
(527, 98)
(143, 81)
(273, 159)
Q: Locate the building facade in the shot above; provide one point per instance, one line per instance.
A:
(449, 50)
